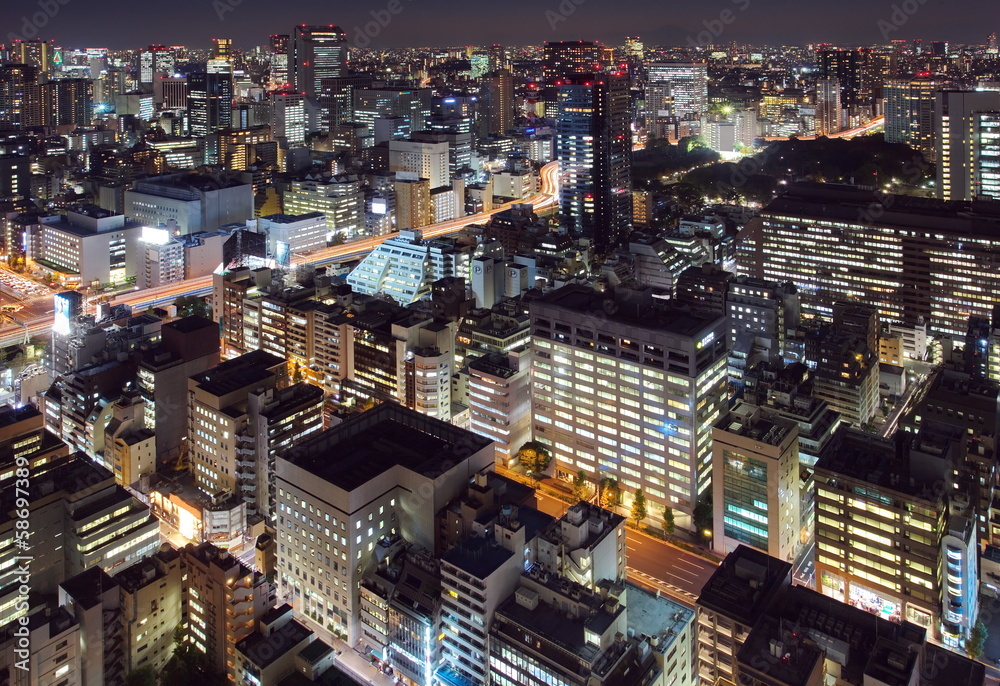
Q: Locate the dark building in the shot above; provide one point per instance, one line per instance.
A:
(15, 176)
(594, 149)
(704, 289)
(565, 58)
(20, 101)
(847, 66)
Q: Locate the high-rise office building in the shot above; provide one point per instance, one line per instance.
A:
(688, 84)
(397, 469)
(956, 140)
(564, 58)
(909, 110)
(933, 266)
(412, 105)
(67, 102)
(497, 100)
(288, 118)
(828, 114)
(278, 57)
(986, 154)
(316, 53)
(755, 482)
(627, 389)
(847, 66)
(594, 149)
(210, 102)
(36, 52)
(896, 527)
(20, 98)
(155, 60)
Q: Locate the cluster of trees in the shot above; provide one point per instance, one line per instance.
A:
(661, 158)
(534, 457)
(188, 305)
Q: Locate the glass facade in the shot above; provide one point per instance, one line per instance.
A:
(745, 492)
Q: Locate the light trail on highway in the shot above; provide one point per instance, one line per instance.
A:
(201, 286)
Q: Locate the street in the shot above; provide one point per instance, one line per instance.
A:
(653, 563)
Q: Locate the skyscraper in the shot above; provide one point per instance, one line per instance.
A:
(156, 59)
(210, 102)
(563, 58)
(986, 150)
(827, 106)
(909, 110)
(594, 149)
(688, 82)
(846, 66)
(20, 101)
(279, 60)
(498, 103)
(955, 140)
(316, 53)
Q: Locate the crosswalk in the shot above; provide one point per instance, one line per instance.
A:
(670, 589)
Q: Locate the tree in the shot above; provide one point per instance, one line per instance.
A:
(534, 457)
(638, 507)
(143, 676)
(610, 493)
(581, 488)
(703, 514)
(668, 521)
(976, 642)
(190, 305)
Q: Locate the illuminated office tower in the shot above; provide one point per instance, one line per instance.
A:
(20, 98)
(626, 387)
(814, 237)
(288, 119)
(755, 482)
(688, 83)
(594, 150)
(67, 101)
(634, 47)
(396, 469)
(847, 67)
(155, 60)
(955, 140)
(986, 151)
(413, 201)
(896, 528)
(316, 53)
(497, 100)
(210, 102)
(564, 58)
(827, 106)
(279, 61)
(340, 198)
(222, 49)
(500, 400)
(427, 160)
(36, 52)
(909, 110)
(497, 58)
(413, 105)
(336, 99)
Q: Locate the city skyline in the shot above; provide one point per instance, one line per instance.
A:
(439, 24)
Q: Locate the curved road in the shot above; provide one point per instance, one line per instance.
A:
(202, 285)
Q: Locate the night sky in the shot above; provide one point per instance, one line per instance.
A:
(193, 23)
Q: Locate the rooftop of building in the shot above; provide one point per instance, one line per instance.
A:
(627, 307)
(68, 475)
(778, 651)
(599, 522)
(370, 443)
(495, 364)
(88, 587)
(147, 570)
(758, 423)
(849, 635)
(841, 203)
(943, 667)
(212, 556)
(477, 556)
(239, 372)
(888, 463)
(745, 584)
(656, 616)
(10, 415)
(551, 624)
(190, 324)
(263, 650)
